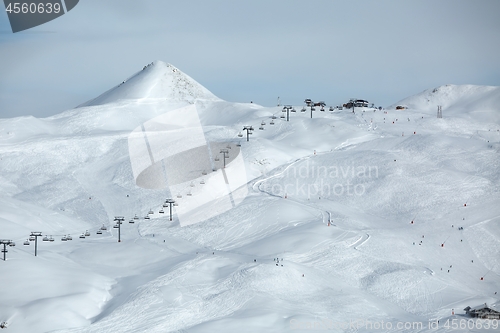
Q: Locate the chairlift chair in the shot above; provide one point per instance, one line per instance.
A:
(116, 226)
(273, 117)
(204, 173)
(69, 237)
(103, 227)
(32, 238)
(146, 217)
(131, 221)
(202, 182)
(238, 144)
(282, 117)
(99, 232)
(87, 233)
(45, 239)
(217, 159)
(165, 205)
(176, 204)
(293, 110)
(303, 110)
(161, 211)
(263, 123)
(82, 236)
(51, 239)
(240, 134)
(192, 184)
(64, 238)
(261, 128)
(272, 122)
(179, 196)
(331, 108)
(228, 146)
(313, 109)
(136, 217)
(322, 109)
(189, 194)
(26, 242)
(150, 212)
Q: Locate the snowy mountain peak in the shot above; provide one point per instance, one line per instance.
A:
(157, 80)
(476, 101)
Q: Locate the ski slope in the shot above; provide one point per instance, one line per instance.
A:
(332, 197)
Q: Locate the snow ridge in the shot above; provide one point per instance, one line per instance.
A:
(157, 80)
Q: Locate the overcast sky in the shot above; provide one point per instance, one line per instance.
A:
(378, 50)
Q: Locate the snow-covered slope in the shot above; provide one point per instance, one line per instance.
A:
(375, 216)
(157, 80)
(481, 102)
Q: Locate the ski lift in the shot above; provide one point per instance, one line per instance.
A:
(189, 194)
(82, 236)
(116, 226)
(293, 110)
(69, 237)
(150, 212)
(179, 196)
(217, 159)
(303, 109)
(99, 232)
(240, 134)
(263, 123)
(331, 108)
(87, 233)
(228, 146)
(51, 239)
(131, 221)
(64, 238)
(103, 227)
(261, 128)
(202, 182)
(165, 205)
(273, 117)
(32, 238)
(176, 204)
(192, 184)
(146, 217)
(239, 144)
(161, 211)
(313, 109)
(272, 122)
(26, 242)
(136, 217)
(45, 239)
(322, 109)
(282, 117)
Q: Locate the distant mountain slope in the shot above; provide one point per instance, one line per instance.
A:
(158, 80)
(477, 101)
